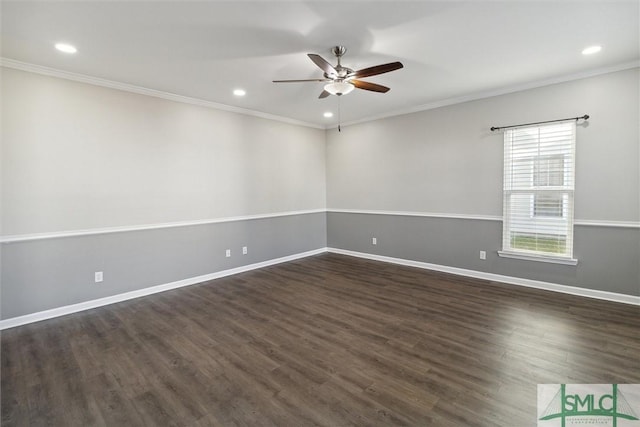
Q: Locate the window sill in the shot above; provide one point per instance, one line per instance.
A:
(539, 258)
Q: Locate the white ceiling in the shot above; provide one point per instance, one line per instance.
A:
(450, 49)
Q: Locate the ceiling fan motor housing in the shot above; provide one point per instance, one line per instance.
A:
(342, 73)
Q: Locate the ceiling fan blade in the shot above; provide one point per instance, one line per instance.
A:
(300, 81)
(324, 94)
(323, 64)
(369, 86)
(378, 69)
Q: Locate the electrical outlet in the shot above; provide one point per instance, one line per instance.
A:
(374, 241)
(244, 250)
(483, 255)
(228, 253)
(98, 277)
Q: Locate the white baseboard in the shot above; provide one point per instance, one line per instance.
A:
(583, 292)
(86, 305)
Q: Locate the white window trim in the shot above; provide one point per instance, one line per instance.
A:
(538, 258)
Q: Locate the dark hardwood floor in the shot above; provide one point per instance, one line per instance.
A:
(328, 340)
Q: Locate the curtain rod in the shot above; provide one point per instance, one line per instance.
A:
(585, 117)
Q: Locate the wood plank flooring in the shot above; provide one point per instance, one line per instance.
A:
(328, 340)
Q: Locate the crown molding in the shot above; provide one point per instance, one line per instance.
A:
(497, 92)
(96, 81)
(53, 72)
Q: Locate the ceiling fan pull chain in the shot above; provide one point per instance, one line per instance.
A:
(339, 115)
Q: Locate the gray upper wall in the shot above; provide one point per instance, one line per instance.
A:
(446, 160)
(78, 156)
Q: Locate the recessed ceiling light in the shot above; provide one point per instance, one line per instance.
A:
(66, 48)
(328, 114)
(239, 92)
(591, 50)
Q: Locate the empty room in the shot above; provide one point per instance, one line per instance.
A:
(288, 213)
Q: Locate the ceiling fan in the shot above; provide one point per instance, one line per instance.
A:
(342, 80)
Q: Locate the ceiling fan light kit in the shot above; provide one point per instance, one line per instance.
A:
(339, 88)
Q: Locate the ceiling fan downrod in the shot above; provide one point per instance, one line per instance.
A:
(338, 51)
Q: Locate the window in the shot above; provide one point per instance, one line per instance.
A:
(549, 205)
(538, 192)
(548, 171)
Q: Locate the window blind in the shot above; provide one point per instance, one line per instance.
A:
(539, 174)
